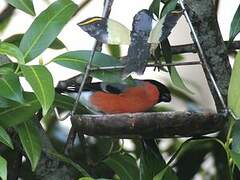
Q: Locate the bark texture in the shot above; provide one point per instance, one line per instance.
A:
(151, 125)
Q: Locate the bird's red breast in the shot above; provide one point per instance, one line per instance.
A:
(134, 99)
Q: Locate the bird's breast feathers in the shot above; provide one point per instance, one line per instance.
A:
(135, 99)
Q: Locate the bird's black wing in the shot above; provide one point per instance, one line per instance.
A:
(106, 87)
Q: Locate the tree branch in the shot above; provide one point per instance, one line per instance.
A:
(151, 125)
(204, 21)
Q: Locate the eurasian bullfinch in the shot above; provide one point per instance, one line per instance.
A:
(102, 98)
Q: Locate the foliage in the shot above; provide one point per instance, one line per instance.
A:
(105, 158)
(235, 29)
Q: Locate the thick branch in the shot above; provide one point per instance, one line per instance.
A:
(204, 20)
(149, 125)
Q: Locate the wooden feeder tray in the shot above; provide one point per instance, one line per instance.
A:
(151, 124)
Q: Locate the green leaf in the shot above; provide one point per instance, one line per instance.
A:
(194, 152)
(177, 80)
(236, 158)
(4, 69)
(16, 39)
(168, 7)
(235, 25)
(3, 168)
(233, 90)
(5, 139)
(8, 65)
(4, 23)
(154, 7)
(175, 77)
(66, 102)
(46, 27)
(182, 95)
(78, 60)
(4, 103)
(69, 161)
(9, 12)
(165, 175)
(221, 161)
(10, 87)
(164, 27)
(115, 32)
(11, 50)
(24, 5)
(236, 137)
(57, 44)
(41, 82)
(19, 113)
(114, 50)
(30, 141)
(124, 166)
(4, 60)
(151, 162)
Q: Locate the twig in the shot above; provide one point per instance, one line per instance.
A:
(151, 125)
(83, 144)
(70, 140)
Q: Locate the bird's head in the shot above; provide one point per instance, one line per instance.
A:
(164, 93)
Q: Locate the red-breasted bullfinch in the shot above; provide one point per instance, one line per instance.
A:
(102, 98)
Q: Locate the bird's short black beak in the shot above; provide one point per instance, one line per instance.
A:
(165, 97)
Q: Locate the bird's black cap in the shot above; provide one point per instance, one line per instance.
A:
(165, 95)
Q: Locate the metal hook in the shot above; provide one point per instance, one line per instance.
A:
(59, 118)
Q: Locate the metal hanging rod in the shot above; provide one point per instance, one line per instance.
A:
(149, 65)
(86, 73)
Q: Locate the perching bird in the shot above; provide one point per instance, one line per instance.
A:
(102, 98)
